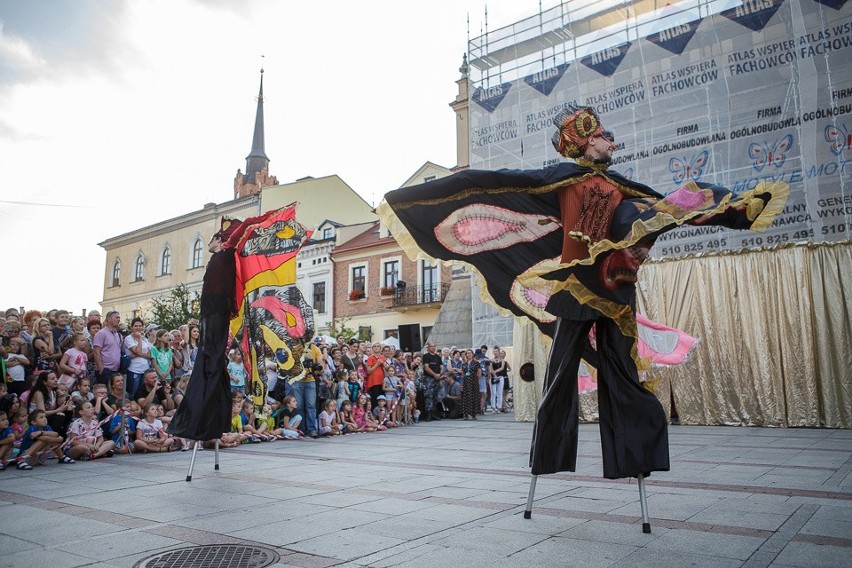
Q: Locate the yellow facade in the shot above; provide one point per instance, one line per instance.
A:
(319, 199)
(181, 237)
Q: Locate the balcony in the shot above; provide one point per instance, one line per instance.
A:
(414, 297)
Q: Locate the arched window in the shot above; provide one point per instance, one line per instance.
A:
(139, 274)
(166, 261)
(197, 253)
(116, 273)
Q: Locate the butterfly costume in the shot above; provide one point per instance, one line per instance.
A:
(562, 247)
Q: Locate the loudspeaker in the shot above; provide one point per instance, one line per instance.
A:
(409, 337)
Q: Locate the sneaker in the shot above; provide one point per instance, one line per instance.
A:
(313, 434)
(2, 466)
(66, 459)
(110, 453)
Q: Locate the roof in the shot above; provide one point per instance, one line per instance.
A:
(368, 239)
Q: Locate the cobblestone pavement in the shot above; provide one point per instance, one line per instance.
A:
(447, 493)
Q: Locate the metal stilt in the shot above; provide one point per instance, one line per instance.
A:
(192, 460)
(643, 501)
(216, 454)
(528, 510)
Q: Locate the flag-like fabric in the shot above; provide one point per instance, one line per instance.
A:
(273, 321)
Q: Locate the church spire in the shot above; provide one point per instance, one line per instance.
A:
(257, 160)
(257, 164)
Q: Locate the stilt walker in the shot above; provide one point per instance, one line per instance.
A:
(205, 411)
(562, 246)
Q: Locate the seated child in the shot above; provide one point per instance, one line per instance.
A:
(83, 392)
(7, 439)
(328, 419)
(288, 419)
(380, 413)
(362, 416)
(237, 435)
(19, 426)
(40, 437)
(371, 418)
(247, 418)
(150, 435)
(347, 419)
(87, 437)
(266, 422)
(132, 414)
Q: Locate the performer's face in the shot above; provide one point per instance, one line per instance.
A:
(601, 147)
(215, 244)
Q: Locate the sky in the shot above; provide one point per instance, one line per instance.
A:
(115, 114)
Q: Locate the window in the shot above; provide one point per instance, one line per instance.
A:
(391, 333)
(359, 280)
(197, 253)
(319, 297)
(429, 281)
(166, 261)
(390, 273)
(116, 273)
(327, 233)
(139, 273)
(429, 178)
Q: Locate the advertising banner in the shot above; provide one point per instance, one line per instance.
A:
(729, 92)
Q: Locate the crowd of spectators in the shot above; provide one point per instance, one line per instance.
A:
(84, 388)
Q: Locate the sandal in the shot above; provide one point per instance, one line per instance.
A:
(24, 465)
(66, 459)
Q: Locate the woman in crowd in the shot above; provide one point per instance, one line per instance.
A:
(137, 346)
(45, 353)
(116, 395)
(471, 372)
(42, 396)
(189, 348)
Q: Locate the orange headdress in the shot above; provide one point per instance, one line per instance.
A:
(576, 125)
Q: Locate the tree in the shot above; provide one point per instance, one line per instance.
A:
(174, 309)
(338, 326)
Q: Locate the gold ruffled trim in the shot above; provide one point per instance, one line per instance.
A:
(619, 313)
(762, 217)
(625, 190)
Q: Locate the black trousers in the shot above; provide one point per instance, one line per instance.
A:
(633, 424)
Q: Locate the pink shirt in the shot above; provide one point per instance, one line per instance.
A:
(87, 432)
(110, 343)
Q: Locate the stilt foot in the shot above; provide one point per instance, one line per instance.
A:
(646, 528)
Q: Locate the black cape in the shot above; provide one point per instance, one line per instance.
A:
(205, 411)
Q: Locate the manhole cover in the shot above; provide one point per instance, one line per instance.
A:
(212, 556)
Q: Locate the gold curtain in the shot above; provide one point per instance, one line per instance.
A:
(776, 335)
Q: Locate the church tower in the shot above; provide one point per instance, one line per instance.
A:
(257, 164)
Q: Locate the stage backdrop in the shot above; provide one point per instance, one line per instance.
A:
(731, 92)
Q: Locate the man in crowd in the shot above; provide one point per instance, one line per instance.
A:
(153, 390)
(106, 347)
(432, 371)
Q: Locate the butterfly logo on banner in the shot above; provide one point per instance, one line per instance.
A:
(687, 169)
(762, 156)
(839, 138)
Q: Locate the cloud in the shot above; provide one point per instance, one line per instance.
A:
(43, 39)
(12, 134)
